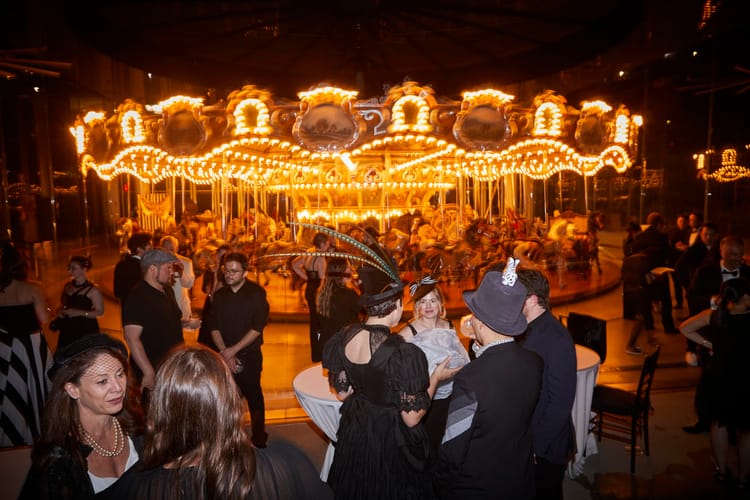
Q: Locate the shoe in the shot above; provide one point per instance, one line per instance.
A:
(635, 350)
(697, 428)
(691, 358)
(258, 443)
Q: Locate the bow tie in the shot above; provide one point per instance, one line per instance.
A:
(734, 273)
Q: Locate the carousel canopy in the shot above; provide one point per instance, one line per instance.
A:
(331, 140)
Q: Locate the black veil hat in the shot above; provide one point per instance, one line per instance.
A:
(86, 343)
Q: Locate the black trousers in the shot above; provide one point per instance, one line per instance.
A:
(248, 380)
(548, 479)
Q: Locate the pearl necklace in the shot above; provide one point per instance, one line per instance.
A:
(99, 449)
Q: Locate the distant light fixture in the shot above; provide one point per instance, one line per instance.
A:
(695, 53)
(36, 89)
(669, 122)
(150, 76)
(669, 55)
(621, 73)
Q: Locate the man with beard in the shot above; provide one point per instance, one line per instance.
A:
(239, 313)
(151, 317)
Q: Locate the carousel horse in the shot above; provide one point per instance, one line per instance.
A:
(396, 242)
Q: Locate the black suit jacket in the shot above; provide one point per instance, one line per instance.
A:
(697, 255)
(127, 275)
(707, 282)
(653, 243)
(487, 447)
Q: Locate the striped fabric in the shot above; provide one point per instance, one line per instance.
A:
(460, 416)
(24, 385)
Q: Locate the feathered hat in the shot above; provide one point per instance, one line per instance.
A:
(377, 270)
(499, 300)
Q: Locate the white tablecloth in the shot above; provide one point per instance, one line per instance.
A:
(315, 397)
(587, 370)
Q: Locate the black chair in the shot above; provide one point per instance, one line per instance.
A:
(627, 412)
(588, 331)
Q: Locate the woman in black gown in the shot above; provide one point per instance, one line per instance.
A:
(24, 355)
(81, 303)
(382, 449)
(338, 302)
(729, 393)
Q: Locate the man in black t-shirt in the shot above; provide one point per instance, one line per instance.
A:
(151, 317)
(239, 312)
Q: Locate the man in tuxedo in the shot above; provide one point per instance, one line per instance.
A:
(678, 244)
(704, 251)
(705, 283)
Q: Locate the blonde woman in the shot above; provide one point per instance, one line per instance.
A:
(436, 337)
(429, 308)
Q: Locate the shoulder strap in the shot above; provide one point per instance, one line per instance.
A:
(411, 327)
(84, 290)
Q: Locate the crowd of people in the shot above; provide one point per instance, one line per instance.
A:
(691, 264)
(421, 416)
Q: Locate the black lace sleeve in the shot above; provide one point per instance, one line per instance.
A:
(333, 362)
(411, 378)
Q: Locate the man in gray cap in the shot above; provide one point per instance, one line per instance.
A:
(487, 446)
(151, 318)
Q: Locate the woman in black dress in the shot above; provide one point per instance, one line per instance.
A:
(81, 303)
(729, 327)
(338, 302)
(91, 430)
(382, 450)
(24, 355)
(311, 269)
(212, 456)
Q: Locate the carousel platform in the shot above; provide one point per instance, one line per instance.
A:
(288, 305)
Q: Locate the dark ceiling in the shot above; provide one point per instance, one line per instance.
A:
(287, 45)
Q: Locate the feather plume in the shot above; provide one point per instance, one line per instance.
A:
(383, 263)
(342, 255)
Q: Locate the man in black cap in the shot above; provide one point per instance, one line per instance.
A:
(151, 317)
(487, 447)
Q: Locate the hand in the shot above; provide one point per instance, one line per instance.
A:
(229, 356)
(235, 365)
(192, 323)
(442, 372)
(148, 382)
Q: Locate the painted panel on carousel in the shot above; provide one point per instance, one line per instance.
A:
(181, 132)
(482, 122)
(326, 122)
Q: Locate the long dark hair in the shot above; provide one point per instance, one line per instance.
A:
(731, 291)
(12, 266)
(60, 419)
(335, 270)
(194, 422)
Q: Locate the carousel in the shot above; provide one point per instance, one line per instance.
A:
(464, 177)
